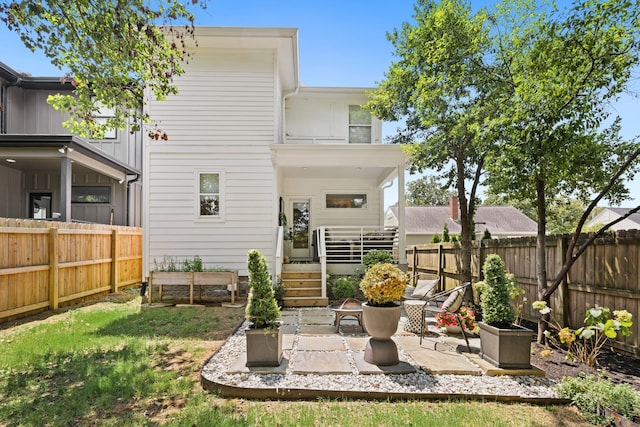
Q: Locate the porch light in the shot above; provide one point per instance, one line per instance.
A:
(10, 160)
(61, 150)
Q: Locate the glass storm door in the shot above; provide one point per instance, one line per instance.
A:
(299, 214)
(40, 205)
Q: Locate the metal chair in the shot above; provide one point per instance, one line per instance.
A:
(451, 305)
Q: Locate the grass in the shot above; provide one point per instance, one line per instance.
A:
(119, 363)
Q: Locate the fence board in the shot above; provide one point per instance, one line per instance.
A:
(44, 263)
(607, 274)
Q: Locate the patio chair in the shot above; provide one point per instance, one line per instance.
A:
(424, 289)
(451, 305)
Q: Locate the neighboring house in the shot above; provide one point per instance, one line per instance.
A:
(250, 148)
(611, 214)
(46, 173)
(422, 222)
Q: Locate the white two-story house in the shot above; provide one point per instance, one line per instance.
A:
(254, 160)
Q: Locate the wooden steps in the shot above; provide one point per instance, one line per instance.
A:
(303, 289)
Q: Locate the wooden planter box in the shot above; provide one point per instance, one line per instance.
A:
(191, 279)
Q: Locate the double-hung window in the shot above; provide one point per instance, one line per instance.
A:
(209, 189)
(359, 125)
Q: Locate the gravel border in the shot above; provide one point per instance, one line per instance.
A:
(215, 376)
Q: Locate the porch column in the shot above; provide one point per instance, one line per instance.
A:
(402, 240)
(65, 189)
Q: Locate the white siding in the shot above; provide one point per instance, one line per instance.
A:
(316, 189)
(222, 120)
(323, 117)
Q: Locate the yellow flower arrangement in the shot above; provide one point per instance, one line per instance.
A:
(383, 284)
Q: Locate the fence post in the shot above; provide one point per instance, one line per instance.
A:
(443, 280)
(53, 269)
(114, 260)
(563, 245)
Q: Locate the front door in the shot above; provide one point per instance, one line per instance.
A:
(300, 214)
(40, 205)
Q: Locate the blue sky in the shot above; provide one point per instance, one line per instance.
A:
(342, 43)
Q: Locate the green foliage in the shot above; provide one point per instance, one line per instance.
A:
(343, 288)
(445, 233)
(262, 308)
(376, 256)
(497, 309)
(192, 265)
(427, 191)
(436, 238)
(486, 235)
(443, 88)
(279, 292)
(584, 344)
(113, 53)
(590, 393)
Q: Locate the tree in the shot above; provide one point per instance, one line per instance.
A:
(562, 70)
(427, 191)
(442, 86)
(114, 53)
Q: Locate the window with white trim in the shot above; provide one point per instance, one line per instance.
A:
(209, 194)
(359, 125)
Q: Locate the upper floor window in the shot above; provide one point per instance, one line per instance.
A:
(209, 194)
(359, 125)
(101, 117)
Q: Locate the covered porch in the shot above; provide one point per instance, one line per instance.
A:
(331, 207)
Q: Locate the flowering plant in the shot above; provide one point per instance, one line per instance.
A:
(383, 284)
(467, 319)
(584, 344)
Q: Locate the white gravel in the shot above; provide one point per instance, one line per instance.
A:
(420, 382)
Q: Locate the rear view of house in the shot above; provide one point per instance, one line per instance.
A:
(254, 160)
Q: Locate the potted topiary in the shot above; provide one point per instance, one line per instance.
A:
(264, 334)
(502, 343)
(383, 286)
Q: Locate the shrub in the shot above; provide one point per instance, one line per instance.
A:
(376, 256)
(497, 309)
(262, 308)
(590, 393)
(343, 288)
(435, 238)
(383, 284)
(584, 344)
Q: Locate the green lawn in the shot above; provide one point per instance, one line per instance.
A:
(116, 362)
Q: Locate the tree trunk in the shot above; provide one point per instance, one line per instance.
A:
(541, 254)
(466, 224)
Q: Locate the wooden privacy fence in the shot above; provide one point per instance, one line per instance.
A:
(44, 264)
(605, 275)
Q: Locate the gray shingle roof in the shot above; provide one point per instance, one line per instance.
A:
(622, 211)
(500, 220)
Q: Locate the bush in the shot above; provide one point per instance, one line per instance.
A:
(343, 288)
(262, 308)
(497, 309)
(590, 393)
(376, 256)
(383, 285)
(584, 344)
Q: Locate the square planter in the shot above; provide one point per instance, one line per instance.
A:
(264, 347)
(506, 348)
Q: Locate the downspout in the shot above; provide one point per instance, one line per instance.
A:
(137, 177)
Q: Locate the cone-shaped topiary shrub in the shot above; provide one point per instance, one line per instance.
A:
(262, 308)
(497, 309)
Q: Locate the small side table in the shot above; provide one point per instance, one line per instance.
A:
(350, 307)
(414, 315)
